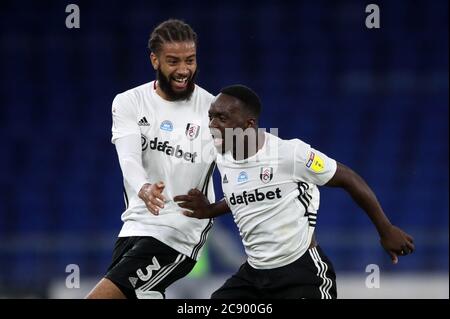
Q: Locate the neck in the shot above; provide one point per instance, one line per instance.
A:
(249, 151)
(161, 92)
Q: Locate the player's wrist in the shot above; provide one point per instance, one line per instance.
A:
(217, 209)
(384, 228)
(143, 189)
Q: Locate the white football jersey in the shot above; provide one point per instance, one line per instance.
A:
(274, 198)
(176, 149)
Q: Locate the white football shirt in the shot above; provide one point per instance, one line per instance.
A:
(274, 198)
(176, 149)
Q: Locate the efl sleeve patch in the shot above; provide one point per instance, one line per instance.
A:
(315, 162)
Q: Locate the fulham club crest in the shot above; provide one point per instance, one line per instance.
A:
(192, 131)
(266, 174)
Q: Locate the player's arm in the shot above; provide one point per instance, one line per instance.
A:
(199, 206)
(127, 138)
(394, 240)
(130, 159)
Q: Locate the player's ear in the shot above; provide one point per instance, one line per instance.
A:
(155, 61)
(251, 122)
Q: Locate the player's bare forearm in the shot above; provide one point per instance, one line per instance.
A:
(394, 240)
(362, 194)
(198, 206)
(219, 208)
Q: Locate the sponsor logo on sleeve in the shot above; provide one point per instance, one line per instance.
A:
(310, 160)
(315, 162)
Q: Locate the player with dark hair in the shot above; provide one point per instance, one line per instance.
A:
(173, 36)
(272, 192)
(160, 133)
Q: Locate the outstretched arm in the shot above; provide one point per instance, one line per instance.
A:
(199, 206)
(394, 240)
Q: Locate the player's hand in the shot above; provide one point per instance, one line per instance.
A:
(152, 196)
(396, 242)
(197, 203)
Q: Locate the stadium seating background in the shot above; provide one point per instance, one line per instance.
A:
(376, 100)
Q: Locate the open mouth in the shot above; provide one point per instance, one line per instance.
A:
(180, 82)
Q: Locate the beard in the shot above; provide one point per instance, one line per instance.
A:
(166, 87)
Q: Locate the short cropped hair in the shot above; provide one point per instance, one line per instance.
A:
(246, 95)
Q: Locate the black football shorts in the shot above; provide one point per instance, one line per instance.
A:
(310, 277)
(143, 267)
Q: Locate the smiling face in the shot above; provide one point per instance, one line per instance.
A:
(176, 67)
(226, 115)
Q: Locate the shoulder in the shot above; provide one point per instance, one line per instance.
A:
(298, 143)
(283, 145)
(287, 151)
(133, 93)
(129, 99)
(203, 94)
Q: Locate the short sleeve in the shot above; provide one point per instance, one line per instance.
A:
(124, 117)
(312, 166)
